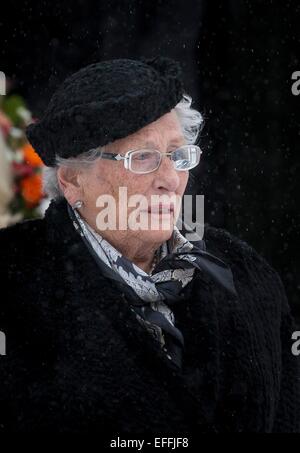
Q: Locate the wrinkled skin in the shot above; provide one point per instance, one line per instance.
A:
(106, 176)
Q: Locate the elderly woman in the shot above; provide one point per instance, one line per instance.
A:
(127, 329)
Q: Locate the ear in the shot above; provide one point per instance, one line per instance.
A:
(68, 180)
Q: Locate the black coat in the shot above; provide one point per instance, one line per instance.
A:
(77, 359)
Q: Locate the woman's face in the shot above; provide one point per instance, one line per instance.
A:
(105, 177)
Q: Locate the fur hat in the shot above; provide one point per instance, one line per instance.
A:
(103, 102)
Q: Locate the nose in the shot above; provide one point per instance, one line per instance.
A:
(166, 176)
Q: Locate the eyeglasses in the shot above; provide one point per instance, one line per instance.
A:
(147, 160)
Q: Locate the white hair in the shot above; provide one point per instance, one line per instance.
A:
(191, 122)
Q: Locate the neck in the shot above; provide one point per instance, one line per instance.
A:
(133, 248)
(145, 265)
(141, 254)
(141, 258)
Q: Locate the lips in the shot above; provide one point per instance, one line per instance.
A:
(161, 209)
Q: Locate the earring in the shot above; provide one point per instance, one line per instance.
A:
(78, 204)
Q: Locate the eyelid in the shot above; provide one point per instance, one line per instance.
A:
(171, 148)
(174, 147)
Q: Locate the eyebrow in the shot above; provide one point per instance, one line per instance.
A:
(175, 141)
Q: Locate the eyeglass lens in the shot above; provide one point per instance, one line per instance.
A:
(143, 161)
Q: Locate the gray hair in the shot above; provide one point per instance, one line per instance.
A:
(191, 122)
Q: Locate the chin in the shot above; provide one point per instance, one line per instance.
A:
(156, 229)
(157, 235)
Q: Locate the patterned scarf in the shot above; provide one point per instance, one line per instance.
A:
(151, 295)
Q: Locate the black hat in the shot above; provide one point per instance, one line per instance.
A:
(103, 102)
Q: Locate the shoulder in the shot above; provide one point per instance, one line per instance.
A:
(29, 227)
(230, 244)
(247, 264)
(234, 249)
(20, 240)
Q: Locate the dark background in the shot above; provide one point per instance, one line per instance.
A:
(237, 58)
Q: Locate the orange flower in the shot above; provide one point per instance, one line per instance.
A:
(31, 189)
(31, 157)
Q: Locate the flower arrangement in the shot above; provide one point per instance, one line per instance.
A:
(27, 180)
(24, 163)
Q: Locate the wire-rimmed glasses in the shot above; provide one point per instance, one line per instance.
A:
(146, 160)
